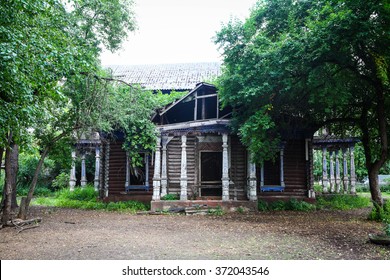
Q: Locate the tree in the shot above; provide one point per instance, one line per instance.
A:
(308, 64)
(44, 43)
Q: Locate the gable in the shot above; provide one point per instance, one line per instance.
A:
(201, 103)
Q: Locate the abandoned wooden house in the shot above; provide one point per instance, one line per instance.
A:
(197, 158)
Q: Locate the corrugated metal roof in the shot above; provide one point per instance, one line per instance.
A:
(182, 76)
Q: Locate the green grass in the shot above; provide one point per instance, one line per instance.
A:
(292, 204)
(86, 198)
(385, 195)
(335, 202)
(342, 202)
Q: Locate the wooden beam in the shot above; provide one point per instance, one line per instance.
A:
(205, 96)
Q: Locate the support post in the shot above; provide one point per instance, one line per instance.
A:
(97, 168)
(345, 171)
(262, 175)
(282, 168)
(325, 181)
(157, 168)
(127, 182)
(72, 179)
(146, 169)
(183, 171)
(107, 169)
(331, 172)
(83, 180)
(353, 174)
(252, 180)
(164, 176)
(225, 168)
(338, 180)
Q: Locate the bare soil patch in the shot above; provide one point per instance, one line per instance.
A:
(66, 234)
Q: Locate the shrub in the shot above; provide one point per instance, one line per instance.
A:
(86, 198)
(292, 205)
(217, 211)
(382, 215)
(386, 227)
(262, 205)
(296, 205)
(170, 196)
(81, 194)
(131, 206)
(61, 181)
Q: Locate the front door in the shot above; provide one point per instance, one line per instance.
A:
(211, 173)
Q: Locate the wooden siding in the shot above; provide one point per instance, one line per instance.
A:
(295, 166)
(174, 164)
(117, 168)
(238, 169)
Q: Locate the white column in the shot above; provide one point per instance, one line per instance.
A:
(248, 172)
(157, 168)
(331, 172)
(97, 168)
(183, 169)
(83, 172)
(353, 174)
(345, 171)
(127, 183)
(107, 169)
(146, 169)
(262, 175)
(282, 168)
(225, 168)
(338, 181)
(72, 179)
(164, 176)
(252, 180)
(325, 181)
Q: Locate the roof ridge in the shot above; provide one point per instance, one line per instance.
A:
(175, 76)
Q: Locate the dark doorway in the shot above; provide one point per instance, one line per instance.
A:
(211, 173)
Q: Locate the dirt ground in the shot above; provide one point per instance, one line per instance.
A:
(66, 234)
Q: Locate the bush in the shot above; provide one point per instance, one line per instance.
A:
(386, 227)
(132, 206)
(61, 181)
(27, 166)
(262, 205)
(292, 205)
(217, 211)
(296, 205)
(80, 194)
(170, 197)
(381, 215)
(342, 202)
(86, 198)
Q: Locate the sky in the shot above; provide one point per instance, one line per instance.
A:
(177, 31)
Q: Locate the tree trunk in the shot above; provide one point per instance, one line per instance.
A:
(11, 170)
(373, 166)
(1, 156)
(23, 210)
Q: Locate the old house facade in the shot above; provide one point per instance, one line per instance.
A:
(197, 158)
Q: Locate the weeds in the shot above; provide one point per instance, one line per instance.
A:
(170, 197)
(292, 204)
(86, 198)
(342, 202)
(217, 211)
(382, 215)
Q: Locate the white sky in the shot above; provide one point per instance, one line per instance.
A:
(177, 31)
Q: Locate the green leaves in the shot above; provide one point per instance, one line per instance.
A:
(315, 62)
